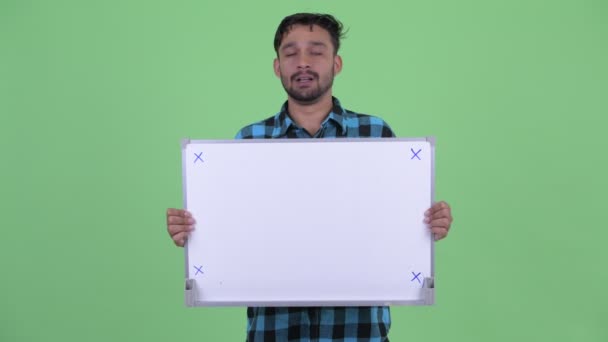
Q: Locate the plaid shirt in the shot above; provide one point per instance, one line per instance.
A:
(322, 324)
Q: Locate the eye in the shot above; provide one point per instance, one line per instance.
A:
(316, 53)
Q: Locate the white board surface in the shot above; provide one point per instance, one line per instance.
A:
(308, 222)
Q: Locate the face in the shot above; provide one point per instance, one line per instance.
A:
(306, 63)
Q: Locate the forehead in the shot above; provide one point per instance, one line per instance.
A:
(304, 35)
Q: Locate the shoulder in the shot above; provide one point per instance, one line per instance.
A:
(262, 129)
(367, 125)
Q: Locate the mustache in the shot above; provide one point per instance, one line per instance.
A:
(301, 73)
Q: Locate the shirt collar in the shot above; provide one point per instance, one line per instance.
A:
(337, 115)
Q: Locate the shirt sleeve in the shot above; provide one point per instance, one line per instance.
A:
(387, 131)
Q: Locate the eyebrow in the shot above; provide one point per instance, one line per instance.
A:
(313, 43)
(318, 44)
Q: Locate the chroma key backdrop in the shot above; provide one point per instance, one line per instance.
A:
(95, 97)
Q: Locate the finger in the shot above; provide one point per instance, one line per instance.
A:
(178, 228)
(439, 233)
(442, 223)
(443, 213)
(439, 215)
(180, 220)
(437, 207)
(175, 212)
(178, 212)
(176, 220)
(180, 239)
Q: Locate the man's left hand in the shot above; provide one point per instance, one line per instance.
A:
(439, 218)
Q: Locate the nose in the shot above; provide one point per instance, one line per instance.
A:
(303, 62)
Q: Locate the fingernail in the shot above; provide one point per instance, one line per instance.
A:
(427, 212)
(187, 214)
(427, 220)
(190, 221)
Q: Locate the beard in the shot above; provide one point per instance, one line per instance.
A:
(311, 94)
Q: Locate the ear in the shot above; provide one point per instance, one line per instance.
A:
(277, 68)
(337, 64)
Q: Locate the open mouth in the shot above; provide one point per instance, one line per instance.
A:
(304, 79)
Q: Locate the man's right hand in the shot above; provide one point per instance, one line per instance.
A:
(179, 225)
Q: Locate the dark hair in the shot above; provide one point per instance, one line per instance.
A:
(325, 21)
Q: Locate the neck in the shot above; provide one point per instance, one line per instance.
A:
(310, 115)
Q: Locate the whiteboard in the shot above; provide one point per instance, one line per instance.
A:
(311, 222)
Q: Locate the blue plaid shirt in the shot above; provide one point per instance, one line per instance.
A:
(323, 324)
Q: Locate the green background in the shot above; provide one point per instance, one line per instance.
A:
(96, 95)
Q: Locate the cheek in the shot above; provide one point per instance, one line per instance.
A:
(285, 68)
(328, 73)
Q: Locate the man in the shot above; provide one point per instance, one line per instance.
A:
(306, 46)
